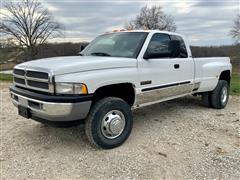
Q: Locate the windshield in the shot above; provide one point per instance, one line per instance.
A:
(122, 44)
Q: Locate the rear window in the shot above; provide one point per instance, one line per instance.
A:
(183, 50)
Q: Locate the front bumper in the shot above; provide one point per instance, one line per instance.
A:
(51, 108)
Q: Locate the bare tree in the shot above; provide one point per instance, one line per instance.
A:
(235, 31)
(29, 23)
(153, 18)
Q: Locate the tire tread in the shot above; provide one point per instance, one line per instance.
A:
(215, 97)
(206, 99)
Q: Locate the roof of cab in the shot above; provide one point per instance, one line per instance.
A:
(149, 31)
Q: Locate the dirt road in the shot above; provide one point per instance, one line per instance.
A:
(176, 139)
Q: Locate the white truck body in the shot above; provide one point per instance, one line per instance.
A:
(117, 72)
(94, 71)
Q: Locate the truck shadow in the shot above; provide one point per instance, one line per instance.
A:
(74, 138)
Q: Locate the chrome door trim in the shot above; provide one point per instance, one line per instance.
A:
(159, 93)
(165, 86)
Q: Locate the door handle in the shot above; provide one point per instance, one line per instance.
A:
(176, 66)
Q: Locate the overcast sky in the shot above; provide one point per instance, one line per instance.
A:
(204, 22)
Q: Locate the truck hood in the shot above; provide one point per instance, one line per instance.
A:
(72, 64)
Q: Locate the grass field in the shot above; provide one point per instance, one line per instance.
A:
(235, 82)
(5, 77)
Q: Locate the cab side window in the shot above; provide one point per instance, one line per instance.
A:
(183, 49)
(159, 45)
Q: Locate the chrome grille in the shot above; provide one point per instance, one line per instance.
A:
(19, 80)
(32, 79)
(34, 74)
(19, 72)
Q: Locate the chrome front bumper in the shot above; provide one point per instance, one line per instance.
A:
(52, 111)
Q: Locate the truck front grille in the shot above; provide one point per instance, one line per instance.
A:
(19, 72)
(35, 80)
(41, 85)
(19, 80)
(34, 74)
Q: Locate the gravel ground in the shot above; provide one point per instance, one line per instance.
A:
(177, 139)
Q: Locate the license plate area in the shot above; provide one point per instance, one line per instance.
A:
(24, 112)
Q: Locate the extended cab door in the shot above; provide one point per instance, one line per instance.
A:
(164, 77)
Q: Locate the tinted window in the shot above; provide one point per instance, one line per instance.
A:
(159, 45)
(183, 49)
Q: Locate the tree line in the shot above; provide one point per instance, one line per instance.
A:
(31, 25)
(72, 49)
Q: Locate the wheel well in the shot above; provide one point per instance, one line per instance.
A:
(124, 91)
(225, 75)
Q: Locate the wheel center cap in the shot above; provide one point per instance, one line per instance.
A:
(115, 125)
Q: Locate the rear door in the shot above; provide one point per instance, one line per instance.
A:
(164, 77)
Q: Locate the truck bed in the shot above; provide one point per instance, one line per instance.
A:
(207, 71)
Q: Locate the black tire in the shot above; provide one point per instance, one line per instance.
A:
(93, 126)
(206, 99)
(216, 96)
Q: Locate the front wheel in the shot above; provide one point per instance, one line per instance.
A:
(109, 123)
(220, 95)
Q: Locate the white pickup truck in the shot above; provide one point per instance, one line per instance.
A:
(115, 73)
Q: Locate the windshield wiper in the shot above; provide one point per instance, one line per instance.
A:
(80, 54)
(100, 54)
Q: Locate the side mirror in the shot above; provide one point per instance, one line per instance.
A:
(174, 47)
(81, 48)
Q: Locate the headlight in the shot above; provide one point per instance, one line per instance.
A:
(70, 88)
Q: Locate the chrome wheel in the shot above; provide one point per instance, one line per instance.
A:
(224, 94)
(113, 124)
